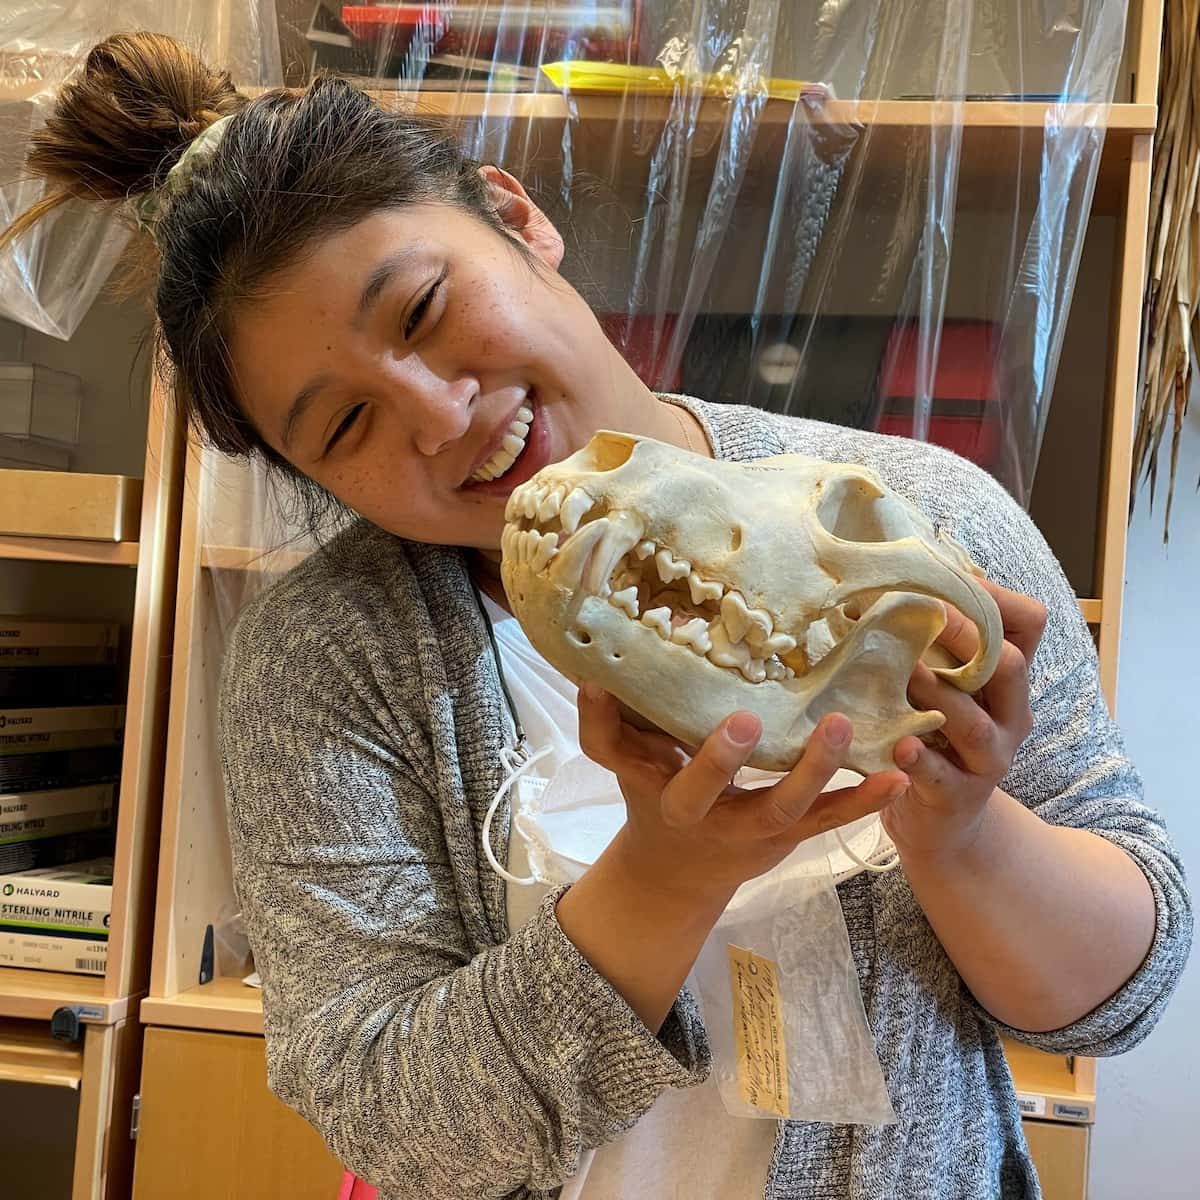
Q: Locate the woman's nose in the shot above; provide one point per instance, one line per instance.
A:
(439, 410)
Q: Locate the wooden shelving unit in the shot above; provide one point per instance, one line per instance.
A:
(103, 1064)
(195, 886)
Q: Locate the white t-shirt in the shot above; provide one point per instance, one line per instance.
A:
(687, 1146)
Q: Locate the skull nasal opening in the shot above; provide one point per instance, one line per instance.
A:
(852, 509)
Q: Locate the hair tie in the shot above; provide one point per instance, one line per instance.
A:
(201, 149)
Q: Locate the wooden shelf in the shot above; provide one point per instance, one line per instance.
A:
(1092, 610)
(37, 994)
(1052, 1087)
(29, 1054)
(225, 1005)
(248, 558)
(601, 108)
(70, 550)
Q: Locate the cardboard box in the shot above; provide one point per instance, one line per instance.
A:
(67, 504)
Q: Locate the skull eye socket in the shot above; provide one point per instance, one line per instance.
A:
(607, 451)
(854, 510)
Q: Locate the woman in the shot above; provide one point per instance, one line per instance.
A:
(342, 294)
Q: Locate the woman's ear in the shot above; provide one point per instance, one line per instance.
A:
(522, 217)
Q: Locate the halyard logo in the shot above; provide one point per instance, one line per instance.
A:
(9, 889)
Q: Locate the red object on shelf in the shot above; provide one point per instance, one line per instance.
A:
(634, 337)
(965, 414)
(353, 1188)
(536, 32)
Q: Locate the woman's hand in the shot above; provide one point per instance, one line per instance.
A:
(688, 830)
(944, 809)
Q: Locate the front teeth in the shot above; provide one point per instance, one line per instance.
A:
(510, 448)
(741, 638)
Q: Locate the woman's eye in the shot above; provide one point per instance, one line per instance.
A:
(415, 317)
(344, 427)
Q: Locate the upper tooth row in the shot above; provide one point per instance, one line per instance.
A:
(510, 446)
(544, 502)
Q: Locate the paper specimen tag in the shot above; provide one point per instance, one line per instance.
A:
(758, 1031)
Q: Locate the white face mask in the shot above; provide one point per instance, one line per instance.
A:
(791, 915)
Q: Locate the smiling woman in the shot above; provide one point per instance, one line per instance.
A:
(343, 294)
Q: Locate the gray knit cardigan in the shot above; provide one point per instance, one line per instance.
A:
(361, 722)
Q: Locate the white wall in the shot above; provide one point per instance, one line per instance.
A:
(1147, 1136)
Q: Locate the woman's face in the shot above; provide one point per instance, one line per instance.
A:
(398, 363)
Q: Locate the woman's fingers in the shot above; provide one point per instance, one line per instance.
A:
(1024, 617)
(1007, 694)
(980, 742)
(617, 746)
(832, 810)
(693, 791)
(780, 806)
(928, 769)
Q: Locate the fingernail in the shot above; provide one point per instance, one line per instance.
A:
(907, 756)
(837, 732)
(898, 790)
(742, 729)
(593, 691)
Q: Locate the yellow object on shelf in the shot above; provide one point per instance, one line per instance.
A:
(583, 76)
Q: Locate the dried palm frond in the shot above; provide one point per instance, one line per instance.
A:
(1171, 304)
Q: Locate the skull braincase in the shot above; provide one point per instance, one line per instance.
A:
(691, 587)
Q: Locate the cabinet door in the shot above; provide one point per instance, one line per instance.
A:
(210, 1130)
(1060, 1153)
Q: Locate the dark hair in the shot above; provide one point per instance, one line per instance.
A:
(291, 166)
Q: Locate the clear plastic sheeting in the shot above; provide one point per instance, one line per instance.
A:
(50, 276)
(870, 213)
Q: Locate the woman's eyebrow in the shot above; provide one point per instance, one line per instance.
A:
(304, 397)
(382, 274)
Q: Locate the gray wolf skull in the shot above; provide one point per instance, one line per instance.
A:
(788, 586)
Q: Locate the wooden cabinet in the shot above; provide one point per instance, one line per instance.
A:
(208, 1128)
(127, 430)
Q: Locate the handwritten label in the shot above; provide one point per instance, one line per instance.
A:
(758, 1031)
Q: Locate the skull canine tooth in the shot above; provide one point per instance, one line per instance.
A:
(574, 555)
(626, 599)
(703, 590)
(546, 549)
(644, 549)
(529, 504)
(670, 569)
(622, 531)
(659, 619)
(693, 634)
(573, 508)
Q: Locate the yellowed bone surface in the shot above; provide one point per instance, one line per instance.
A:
(690, 587)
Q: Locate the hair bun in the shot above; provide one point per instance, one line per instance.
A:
(123, 122)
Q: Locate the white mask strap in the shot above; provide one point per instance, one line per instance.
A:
(516, 768)
(874, 868)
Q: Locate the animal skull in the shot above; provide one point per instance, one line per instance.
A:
(689, 587)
